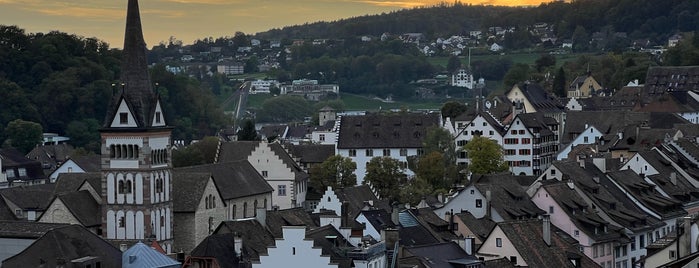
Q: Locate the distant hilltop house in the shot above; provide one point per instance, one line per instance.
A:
(310, 89)
(462, 78)
(496, 48)
(583, 86)
(262, 86)
(230, 68)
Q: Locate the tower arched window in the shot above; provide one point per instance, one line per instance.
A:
(233, 214)
(206, 202)
(112, 152)
(120, 187)
(128, 187)
(255, 208)
(245, 209)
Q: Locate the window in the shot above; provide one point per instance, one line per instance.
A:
(511, 141)
(641, 242)
(10, 173)
(550, 209)
(525, 152)
(18, 212)
(491, 133)
(157, 117)
(633, 243)
(403, 152)
(513, 259)
(595, 253)
(122, 222)
(485, 124)
(461, 143)
(162, 221)
(22, 172)
(245, 209)
(576, 233)
(521, 132)
(123, 118)
(526, 140)
(672, 254)
(264, 173)
(281, 190)
(234, 210)
(352, 152)
(120, 187)
(369, 152)
(498, 242)
(386, 152)
(321, 137)
(479, 203)
(514, 132)
(585, 139)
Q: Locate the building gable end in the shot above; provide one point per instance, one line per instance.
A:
(158, 116)
(124, 116)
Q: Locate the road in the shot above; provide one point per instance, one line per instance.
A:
(241, 96)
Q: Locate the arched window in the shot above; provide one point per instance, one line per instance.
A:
(245, 209)
(135, 151)
(120, 187)
(213, 202)
(255, 208)
(265, 203)
(234, 212)
(206, 203)
(112, 153)
(128, 187)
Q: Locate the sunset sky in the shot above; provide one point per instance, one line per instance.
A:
(188, 20)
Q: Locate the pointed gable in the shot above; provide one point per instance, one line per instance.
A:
(158, 116)
(123, 117)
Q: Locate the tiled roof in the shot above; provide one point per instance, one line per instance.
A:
(34, 197)
(66, 243)
(51, 154)
(234, 179)
(509, 199)
(385, 131)
(236, 151)
(378, 218)
(141, 255)
(274, 130)
(256, 239)
(679, 78)
(13, 159)
(26, 229)
(539, 98)
(276, 219)
(89, 163)
(527, 238)
(332, 247)
(538, 122)
(311, 153)
(606, 196)
(480, 227)
(84, 207)
(357, 197)
(645, 193)
(188, 188)
(71, 182)
(439, 255)
(679, 187)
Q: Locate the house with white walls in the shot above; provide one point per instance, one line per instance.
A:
(482, 124)
(530, 143)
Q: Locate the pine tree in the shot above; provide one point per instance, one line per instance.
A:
(559, 83)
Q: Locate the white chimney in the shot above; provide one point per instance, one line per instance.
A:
(547, 229)
(237, 244)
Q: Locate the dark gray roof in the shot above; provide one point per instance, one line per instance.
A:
(188, 188)
(679, 187)
(274, 130)
(33, 197)
(433, 223)
(480, 227)
(66, 243)
(358, 197)
(538, 123)
(26, 229)
(679, 78)
(89, 163)
(236, 150)
(51, 155)
(645, 193)
(606, 196)
(137, 89)
(332, 247)
(539, 98)
(14, 160)
(385, 131)
(527, 237)
(234, 179)
(378, 218)
(256, 239)
(84, 207)
(509, 199)
(584, 217)
(311, 153)
(71, 182)
(276, 219)
(439, 255)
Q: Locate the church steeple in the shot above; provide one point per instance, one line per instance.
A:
(135, 90)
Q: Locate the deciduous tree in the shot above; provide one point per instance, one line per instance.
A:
(485, 155)
(24, 135)
(336, 171)
(386, 176)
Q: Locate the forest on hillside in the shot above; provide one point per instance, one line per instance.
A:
(651, 19)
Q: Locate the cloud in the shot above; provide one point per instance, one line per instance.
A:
(200, 2)
(82, 12)
(400, 4)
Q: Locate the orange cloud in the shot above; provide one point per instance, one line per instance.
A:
(84, 12)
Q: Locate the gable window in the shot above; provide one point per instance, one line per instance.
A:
(245, 209)
(498, 242)
(352, 152)
(18, 212)
(479, 203)
(264, 173)
(513, 259)
(157, 117)
(281, 190)
(550, 209)
(123, 118)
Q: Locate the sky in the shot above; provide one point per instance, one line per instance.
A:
(189, 20)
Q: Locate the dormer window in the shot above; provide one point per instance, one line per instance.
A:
(123, 118)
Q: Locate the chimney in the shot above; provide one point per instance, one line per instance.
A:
(237, 244)
(451, 220)
(261, 216)
(547, 229)
(123, 247)
(390, 237)
(344, 218)
(571, 184)
(488, 196)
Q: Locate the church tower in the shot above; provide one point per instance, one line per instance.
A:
(136, 151)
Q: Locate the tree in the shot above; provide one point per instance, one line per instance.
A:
(559, 83)
(520, 72)
(439, 140)
(336, 171)
(436, 171)
(413, 192)
(24, 135)
(453, 109)
(248, 132)
(386, 176)
(198, 153)
(84, 134)
(453, 64)
(485, 155)
(544, 61)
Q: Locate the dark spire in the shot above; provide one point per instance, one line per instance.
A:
(137, 87)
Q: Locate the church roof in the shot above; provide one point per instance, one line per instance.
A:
(136, 88)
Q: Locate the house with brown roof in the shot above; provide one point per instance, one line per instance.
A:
(19, 170)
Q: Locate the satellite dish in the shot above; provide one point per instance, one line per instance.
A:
(487, 104)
